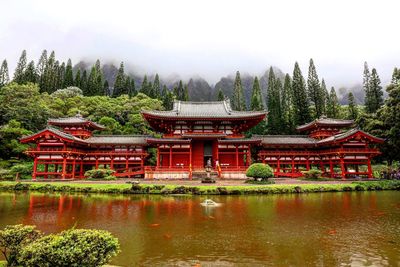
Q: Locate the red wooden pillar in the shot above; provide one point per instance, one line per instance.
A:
(158, 156)
(190, 161)
(331, 167)
(64, 167)
(170, 156)
(73, 168)
(248, 155)
(237, 157)
(112, 163)
(97, 163)
(307, 163)
(278, 166)
(369, 168)
(34, 168)
(81, 169)
(292, 165)
(342, 167)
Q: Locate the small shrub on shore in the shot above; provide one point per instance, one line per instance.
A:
(74, 247)
(260, 171)
(100, 174)
(12, 240)
(312, 174)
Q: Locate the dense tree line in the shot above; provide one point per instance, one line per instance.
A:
(52, 88)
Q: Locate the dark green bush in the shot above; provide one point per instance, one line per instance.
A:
(74, 247)
(13, 238)
(100, 174)
(312, 174)
(260, 170)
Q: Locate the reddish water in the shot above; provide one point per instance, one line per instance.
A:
(328, 229)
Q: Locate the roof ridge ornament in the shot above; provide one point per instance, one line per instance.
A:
(227, 105)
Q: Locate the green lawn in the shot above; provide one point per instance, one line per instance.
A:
(198, 189)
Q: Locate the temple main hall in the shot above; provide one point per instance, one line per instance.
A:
(194, 134)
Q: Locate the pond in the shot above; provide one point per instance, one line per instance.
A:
(350, 228)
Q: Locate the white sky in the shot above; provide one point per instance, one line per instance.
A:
(210, 38)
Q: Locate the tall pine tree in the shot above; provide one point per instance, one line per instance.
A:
(352, 107)
(49, 74)
(84, 82)
(144, 89)
(301, 104)
(4, 77)
(19, 73)
(333, 105)
(30, 73)
(287, 106)
(325, 96)
(95, 81)
(256, 98)
(69, 76)
(156, 87)
(120, 82)
(220, 96)
(238, 100)
(314, 89)
(78, 81)
(40, 70)
(374, 98)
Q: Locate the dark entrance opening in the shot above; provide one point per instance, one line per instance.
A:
(208, 155)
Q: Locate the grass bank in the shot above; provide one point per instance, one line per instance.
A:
(198, 190)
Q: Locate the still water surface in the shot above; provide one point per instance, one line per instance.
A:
(328, 229)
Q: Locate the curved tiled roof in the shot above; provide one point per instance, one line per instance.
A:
(286, 139)
(55, 132)
(117, 139)
(349, 133)
(76, 120)
(211, 109)
(325, 122)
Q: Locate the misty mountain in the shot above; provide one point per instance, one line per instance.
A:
(199, 89)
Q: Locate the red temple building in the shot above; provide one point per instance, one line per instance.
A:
(194, 134)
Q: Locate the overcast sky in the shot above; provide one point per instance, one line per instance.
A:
(210, 38)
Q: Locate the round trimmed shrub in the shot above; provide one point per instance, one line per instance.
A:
(260, 170)
(312, 174)
(100, 174)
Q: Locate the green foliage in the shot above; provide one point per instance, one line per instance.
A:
(120, 83)
(4, 76)
(23, 170)
(220, 96)
(256, 98)
(300, 100)
(275, 119)
(69, 76)
(333, 106)
(74, 247)
(352, 107)
(315, 92)
(373, 93)
(238, 100)
(260, 170)
(312, 174)
(24, 104)
(13, 238)
(9, 143)
(19, 73)
(100, 174)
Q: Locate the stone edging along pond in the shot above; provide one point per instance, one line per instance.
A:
(197, 190)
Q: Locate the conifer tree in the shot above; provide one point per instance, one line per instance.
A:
(69, 76)
(287, 106)
(145, 86)
(106, 88)
(238, 100)
(95, 80)
(352, 107)
(132, 88)
(156, 87)
(164, 91)
(256, 98)
(185, 93)
(374, 98)
(274, 89)
(179, 91)
(78, 82)
(60, 76)
(314, 89)
(366, 85)
(40, 70)
(325, 96)
(333, 105)
(120, 82)
(19, 73)
(84, 83)
(396, 77)
(301, 104)
(49, 74)
(30, 73)
(168, 100)
(220, 96)
(4, 77)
